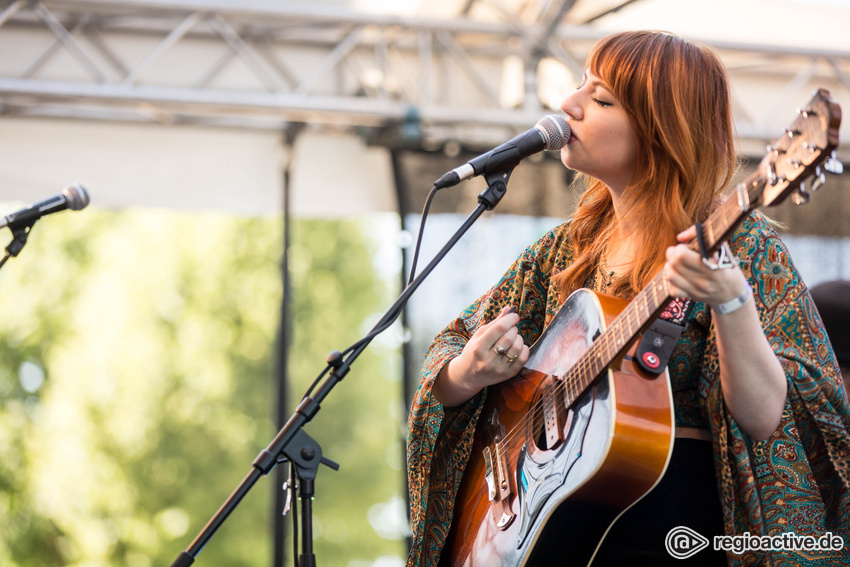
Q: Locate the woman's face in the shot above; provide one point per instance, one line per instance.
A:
(603, 143)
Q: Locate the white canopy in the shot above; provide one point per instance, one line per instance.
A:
(183, 103)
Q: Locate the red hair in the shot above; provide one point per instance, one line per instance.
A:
(677, 96)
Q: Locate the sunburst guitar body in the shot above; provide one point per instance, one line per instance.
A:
(540, 470)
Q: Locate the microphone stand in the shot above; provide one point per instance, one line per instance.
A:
(292, 442)
(20, 227)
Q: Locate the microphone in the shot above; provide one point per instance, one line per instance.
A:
(550, 133)
(74, 197)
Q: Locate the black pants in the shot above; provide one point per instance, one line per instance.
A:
(686, 496)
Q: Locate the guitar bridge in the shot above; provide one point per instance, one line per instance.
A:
(497, 475)
(554, 412)
(489, 475)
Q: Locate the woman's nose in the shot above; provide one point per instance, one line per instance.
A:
(571, 107)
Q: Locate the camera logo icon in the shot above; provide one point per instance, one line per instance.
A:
(683, 542)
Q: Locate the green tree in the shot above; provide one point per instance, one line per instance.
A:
(136, 360)
(337, 300)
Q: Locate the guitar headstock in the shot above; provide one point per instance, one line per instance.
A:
(798, 154)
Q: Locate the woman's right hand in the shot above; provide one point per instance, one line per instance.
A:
(494, 353)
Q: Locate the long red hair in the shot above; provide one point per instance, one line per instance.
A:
(676, 94)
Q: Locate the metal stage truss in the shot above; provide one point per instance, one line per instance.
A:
(262, 64)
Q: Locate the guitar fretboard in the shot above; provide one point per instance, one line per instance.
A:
(654, 298)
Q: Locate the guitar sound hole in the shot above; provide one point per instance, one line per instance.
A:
(547, 416)
(538, 428)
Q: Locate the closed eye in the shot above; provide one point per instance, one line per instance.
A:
(602, 103)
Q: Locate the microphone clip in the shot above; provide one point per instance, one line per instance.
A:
(497, 186)
(24, 219)
(20, 232)
(20, 226)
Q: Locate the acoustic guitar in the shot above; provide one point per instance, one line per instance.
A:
(582, 432)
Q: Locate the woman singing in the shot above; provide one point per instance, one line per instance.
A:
(761, 424)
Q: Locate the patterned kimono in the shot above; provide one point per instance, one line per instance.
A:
(796, 481)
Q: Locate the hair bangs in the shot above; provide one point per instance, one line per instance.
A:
(676, 95)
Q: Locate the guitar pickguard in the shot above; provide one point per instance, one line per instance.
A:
(538, 481)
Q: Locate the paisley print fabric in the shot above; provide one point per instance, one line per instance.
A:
(677, 310)
(796, 481)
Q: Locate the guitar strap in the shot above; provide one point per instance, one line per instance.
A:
(658, 341)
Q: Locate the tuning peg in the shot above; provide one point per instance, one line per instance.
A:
(811, 147)
(771, 174)
(791, 133)
(819, 180)
(772, 178)
(805, 113)
(833, 165)
(774, 150)
(801, 196)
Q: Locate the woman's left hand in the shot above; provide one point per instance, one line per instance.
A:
(751, 376)
(688, 276)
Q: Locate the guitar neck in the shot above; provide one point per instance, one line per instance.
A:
(791, 158)
(723, 221)
(641, 311)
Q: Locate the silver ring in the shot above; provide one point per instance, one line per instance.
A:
(500, 349)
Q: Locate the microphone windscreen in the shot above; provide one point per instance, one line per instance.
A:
(556, 129)
(76, 196)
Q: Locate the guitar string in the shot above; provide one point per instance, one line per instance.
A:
(583, 372)
(589, 367)
(583, 363)
(574, 378)
(586, 369)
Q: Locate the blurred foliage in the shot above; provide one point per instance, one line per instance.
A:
(137, 385)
